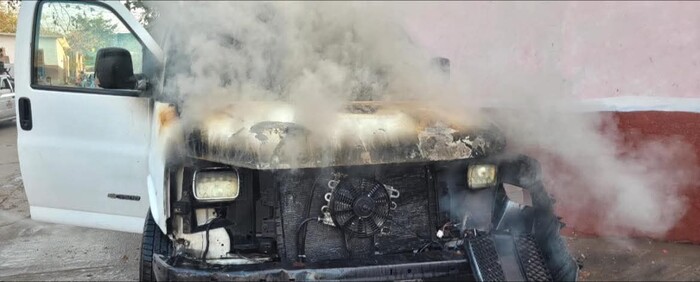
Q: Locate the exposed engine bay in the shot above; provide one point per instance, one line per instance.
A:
(332, 218)
(410, 196)
(330, 213)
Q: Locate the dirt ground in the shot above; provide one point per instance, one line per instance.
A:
(635, 260)
(31, 250)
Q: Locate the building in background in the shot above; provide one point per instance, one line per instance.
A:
(7, 48)
(53, 61)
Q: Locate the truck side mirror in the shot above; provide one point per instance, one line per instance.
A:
(114, 69)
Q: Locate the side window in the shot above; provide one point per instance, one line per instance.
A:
(5, 84)
(69, 38)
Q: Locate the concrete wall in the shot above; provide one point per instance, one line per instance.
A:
(603, 49)
(606, 50)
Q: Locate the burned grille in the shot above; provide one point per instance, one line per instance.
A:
(484, 254)
(531, 258)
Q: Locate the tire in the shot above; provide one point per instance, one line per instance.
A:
(153, 242)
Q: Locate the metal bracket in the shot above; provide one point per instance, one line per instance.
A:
(182, 208)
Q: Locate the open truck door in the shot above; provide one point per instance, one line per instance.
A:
(83, 126)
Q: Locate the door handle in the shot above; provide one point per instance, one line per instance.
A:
(25, 113)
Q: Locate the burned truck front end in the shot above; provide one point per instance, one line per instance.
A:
(389, 192)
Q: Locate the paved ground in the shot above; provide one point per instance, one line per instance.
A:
(32, 250)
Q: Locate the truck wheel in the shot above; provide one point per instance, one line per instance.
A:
(154, 242)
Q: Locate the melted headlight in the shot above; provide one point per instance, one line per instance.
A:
(481, 176)
(216, 185)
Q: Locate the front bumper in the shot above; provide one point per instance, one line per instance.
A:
(433, 265)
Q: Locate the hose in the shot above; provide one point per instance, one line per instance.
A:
(307, 210)
(227, 223)
(301, 234)
(301, 247)
(206, 236)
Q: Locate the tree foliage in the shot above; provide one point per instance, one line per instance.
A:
(142, 11)
(83, 27)
(9, 8)
(89, 32)
(12, 4)
(8, 17)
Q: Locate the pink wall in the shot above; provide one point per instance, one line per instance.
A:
(603, 49)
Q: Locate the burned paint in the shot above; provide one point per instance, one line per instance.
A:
(266, 136)
(167, 115)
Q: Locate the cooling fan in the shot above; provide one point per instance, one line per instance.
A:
(360, 206)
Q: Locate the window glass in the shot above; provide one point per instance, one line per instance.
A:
(5, 84)
(68, 37)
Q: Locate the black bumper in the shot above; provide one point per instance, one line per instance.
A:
(391, 268)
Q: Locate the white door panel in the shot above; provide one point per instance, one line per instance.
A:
(84, 160)
(84, 147)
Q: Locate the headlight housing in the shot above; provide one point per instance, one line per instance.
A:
(215, 185)
(481, 176)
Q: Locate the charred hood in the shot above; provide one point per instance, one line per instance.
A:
(266, 136)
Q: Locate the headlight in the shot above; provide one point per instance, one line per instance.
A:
(215, 185)
(481, 176)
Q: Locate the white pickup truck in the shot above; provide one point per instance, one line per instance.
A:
(7, 93)
(7, 97)
(403, 196)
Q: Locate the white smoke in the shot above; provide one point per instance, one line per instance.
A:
(319, 56)
(316, 56)
(511, 56)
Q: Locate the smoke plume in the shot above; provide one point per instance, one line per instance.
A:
(320, 56)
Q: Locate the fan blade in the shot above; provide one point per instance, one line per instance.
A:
(378, 219)
(366, 186)
(379, 195)
(373, 224)
(380, 201)
(341, 212)
(341, 206)
(344, 196)
(345, 224)
(354, 190)
(374, 190)
(380, 216)
(362, 226)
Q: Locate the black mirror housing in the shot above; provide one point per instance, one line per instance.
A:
(114, 69)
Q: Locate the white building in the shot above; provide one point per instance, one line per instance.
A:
(7, 42)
